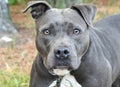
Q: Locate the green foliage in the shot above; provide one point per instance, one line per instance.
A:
(11, 2)
(21, 1)
(87, 1)
(13, 79)
(109, 2)
(57, 3)
(60, 4)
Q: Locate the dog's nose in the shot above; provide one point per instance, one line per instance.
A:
(62, 53)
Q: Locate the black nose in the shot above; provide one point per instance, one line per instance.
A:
(62, 53)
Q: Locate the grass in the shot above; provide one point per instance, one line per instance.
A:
(15, 65)
(13, 79)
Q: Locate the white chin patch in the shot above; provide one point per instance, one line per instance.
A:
(61, 72)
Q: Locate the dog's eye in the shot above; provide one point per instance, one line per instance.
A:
(46, 32)
(76, 31)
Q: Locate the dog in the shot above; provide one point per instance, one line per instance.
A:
(69, 43)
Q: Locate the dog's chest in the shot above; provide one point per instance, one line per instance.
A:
(67, 81)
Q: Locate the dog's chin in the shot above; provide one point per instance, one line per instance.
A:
(60, 70)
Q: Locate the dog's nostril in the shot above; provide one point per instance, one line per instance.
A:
(66, 52)
(62, 53)
(58, 52)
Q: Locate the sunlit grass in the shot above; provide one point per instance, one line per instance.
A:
(13, 79)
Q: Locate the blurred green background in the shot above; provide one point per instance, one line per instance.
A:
(61, 3)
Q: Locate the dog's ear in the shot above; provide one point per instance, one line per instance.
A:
(38, 8)
(88, 12)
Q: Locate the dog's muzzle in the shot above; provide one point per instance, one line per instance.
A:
(62, 61)
(62, 53)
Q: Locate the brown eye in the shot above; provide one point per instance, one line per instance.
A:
(46, 32)
(76, 31)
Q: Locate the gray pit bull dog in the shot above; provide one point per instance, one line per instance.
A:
(69, 42)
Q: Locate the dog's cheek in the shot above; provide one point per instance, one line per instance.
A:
(50, 60)
(41, 47)
(82, 44)
(75, 62)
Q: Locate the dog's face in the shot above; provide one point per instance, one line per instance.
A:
(62, 38)
(62, 34)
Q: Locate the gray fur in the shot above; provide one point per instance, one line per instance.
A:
(94, 57)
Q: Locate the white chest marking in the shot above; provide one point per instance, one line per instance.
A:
(67, 81)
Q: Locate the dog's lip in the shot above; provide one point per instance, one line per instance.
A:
(61, 67)
(60, 70)
(51, 70)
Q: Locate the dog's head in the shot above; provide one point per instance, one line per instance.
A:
(62, 34)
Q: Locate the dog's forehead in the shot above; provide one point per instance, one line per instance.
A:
(61, 16)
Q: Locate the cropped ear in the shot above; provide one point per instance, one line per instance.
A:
(88, 12)
(38, 8)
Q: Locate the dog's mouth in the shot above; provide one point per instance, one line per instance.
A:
(60, 70)
(61, 63)
(61, 67)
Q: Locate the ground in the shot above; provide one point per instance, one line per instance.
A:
(16, 59)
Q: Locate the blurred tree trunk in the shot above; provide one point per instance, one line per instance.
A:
(6, 24)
